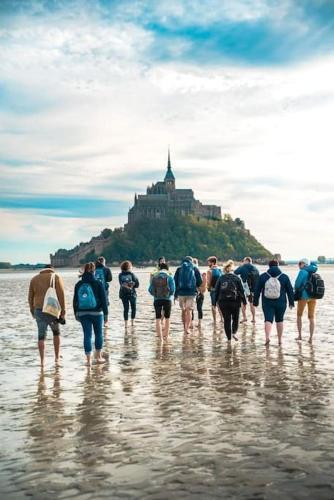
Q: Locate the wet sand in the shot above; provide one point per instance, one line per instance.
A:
(194, 418)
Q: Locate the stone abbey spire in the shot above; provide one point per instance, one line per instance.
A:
(169, 177)
(162, 200)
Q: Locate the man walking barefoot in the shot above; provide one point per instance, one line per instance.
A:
(187, 279)
(303, 298)
(37, 290)
(162, 288)
(249, 276)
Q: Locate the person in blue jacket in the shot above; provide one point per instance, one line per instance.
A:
(303, 298)
(103, 274)
(187, 280)
(162, 287)
(89, 305)
(275, 290)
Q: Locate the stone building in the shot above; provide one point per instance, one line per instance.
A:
(163, 199)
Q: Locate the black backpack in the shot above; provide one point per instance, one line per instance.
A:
(315, 286)
(228, 289)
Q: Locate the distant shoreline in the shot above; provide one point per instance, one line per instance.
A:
(146, 267)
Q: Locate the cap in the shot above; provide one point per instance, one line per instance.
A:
(304, 261)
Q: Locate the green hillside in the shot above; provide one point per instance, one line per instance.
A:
(176, 237)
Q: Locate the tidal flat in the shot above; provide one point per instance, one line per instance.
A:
(192, 418)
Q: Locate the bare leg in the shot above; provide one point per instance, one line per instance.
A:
(41, 348)
(99, 358)
(214, 313)
(244, 315)
(56, 345)
(279, 328)
(312, 328)
(187, 321)
(158, 327)
(299, 327)
(252, 308)
(267, 328)
(166, 328)
(89, 359)
(182, 316)
(126, 324)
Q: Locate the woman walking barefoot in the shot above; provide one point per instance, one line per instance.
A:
(229, 293)
(90, 306)
(275, 289)
(127, 293)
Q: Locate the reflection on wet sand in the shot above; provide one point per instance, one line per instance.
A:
(194, 417)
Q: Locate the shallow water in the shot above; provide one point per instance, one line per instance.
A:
(190, 419)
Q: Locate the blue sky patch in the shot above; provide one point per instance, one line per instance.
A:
(65, 206)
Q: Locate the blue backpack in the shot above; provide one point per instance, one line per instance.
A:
(187, 278)
(100, 276)
(216, 273)
(86, 297)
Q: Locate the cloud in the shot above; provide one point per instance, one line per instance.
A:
(90, 100)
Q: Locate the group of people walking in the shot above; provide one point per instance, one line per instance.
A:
(230, 291)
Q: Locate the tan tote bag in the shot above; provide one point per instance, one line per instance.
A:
(51, 303)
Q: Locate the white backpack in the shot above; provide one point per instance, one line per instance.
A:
(272, 288)
(51, 303)
(245, 286)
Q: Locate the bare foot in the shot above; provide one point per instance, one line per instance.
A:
(57, 361)
(100, 361)
(298, 338)
(310, 340)
(235, 337)
(267, 342)
(253, 321)
(243, 320)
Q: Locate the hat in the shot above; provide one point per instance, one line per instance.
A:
(304, 261)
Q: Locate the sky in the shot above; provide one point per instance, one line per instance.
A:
(93, 92)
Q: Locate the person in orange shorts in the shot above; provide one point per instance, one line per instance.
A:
(303, 298)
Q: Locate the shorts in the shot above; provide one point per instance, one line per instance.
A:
(213, 297)
(187, 302)
(162, 305)
(272, 311)
(44, 320)
(311, 305)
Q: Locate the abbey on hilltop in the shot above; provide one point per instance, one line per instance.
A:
(167, 221)
(163, 199)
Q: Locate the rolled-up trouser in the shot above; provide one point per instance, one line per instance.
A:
(199, 305)
(273, 309)
(127, 301)
(311, 305)
(44, 320)
(90, 322)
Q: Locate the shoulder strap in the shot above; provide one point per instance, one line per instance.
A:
(53, 280)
